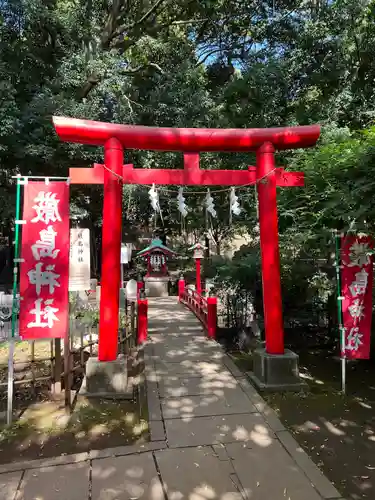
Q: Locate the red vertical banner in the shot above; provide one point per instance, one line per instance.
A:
(44, 266)
(356, 285)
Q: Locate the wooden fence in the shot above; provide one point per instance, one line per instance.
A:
(57, 363)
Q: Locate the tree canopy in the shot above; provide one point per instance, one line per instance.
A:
(191, 63)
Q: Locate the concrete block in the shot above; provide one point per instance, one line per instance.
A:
(223, 402)
(271, 418)
(199, 431)
(196, 473)
(232, 367)
(124, 478)
(156, 430)
(250, 390)
(65, 482)
(9, 484)
(156, 287)
(221, 384)
(276, 372)
(106, 379)
(153, 401)
(268, 472)
(268, 413)
(320, 482)
(135, 449)
(45, 462)
(192, 368)
(220, 452)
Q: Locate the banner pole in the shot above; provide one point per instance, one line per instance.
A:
(14, 306)
(339, 312)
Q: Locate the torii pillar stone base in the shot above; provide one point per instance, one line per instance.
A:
(106, 379)
(275, 373)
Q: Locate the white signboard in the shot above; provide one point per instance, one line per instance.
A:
(126, 253)
(79, 260)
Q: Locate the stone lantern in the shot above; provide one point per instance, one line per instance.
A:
(198, 256)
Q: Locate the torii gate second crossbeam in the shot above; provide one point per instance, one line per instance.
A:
(113, 174)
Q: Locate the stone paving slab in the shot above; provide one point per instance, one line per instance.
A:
(126, 478)
(232, 367)
(9, 484)
(153, 401)
(218, 429)
(192, 342)
(268, 413)
(228, 402)
(183, 385)
(173, 337)
(268, 472)
(76, 458)
(156, 429)
(325, 487)
(178, 355)
(64, 482)
(196, 473)
(192, 345)
(187, 367)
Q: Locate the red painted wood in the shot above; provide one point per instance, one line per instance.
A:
(289, 179)
(196, 303)
(269, 246)
(211, 317)
(191, 161)
(142, 322)
(139, 288)
(111, 249)
(181, 288)
(180, 177)
(184, 139)
(94, 175)
(198, 276)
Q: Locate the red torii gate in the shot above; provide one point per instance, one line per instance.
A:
(115, 138)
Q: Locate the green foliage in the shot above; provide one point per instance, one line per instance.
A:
(339, 187)
(211, 63)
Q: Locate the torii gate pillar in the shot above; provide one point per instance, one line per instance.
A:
(111, 250)
(269, 247)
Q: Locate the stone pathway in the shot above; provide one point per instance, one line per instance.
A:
(212, 435)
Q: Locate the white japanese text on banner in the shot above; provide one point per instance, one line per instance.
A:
(356, 283)
(45, 261)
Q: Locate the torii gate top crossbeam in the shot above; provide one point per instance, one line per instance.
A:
(184, 139)
(183, 177)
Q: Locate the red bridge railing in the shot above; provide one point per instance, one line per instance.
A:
(204, 308)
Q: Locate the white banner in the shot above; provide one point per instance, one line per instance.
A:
(79, 260)
(126, 252)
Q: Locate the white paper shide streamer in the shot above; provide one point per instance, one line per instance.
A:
(233, 202)
(154, 199)
(209, 202)
(181, 203)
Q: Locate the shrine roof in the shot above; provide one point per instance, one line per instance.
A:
(156, 244)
